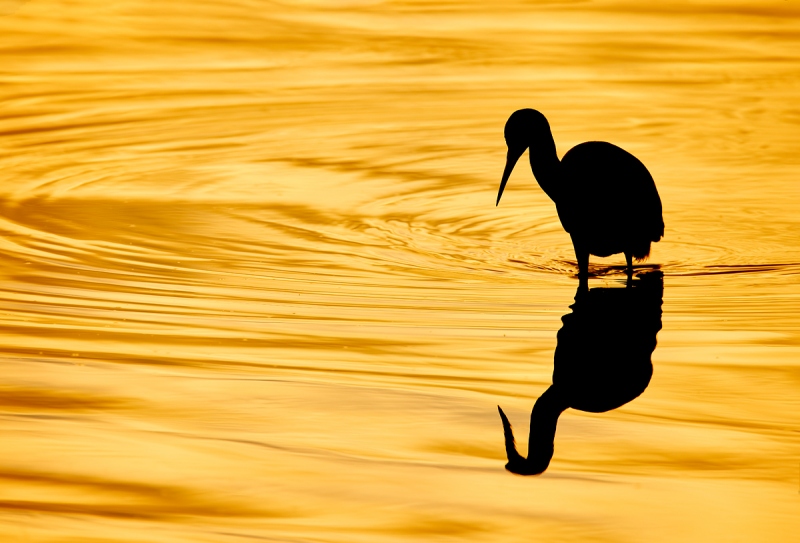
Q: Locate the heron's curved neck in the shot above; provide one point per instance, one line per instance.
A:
(545, 165)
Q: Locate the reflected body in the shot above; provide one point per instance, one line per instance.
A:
(602, 362)
(605, 197)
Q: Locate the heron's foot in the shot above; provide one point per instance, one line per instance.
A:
(650, 275)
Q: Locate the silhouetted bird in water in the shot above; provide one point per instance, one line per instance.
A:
(605, 197)
(602, 361)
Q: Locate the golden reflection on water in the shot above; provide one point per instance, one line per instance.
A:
(254, 284)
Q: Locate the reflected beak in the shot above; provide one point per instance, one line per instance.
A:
(515, 460)
(511, 161)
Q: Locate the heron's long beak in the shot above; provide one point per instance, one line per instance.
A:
(511, 161)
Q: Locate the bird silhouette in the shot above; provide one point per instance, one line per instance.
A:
(602, 361)
(605, 197)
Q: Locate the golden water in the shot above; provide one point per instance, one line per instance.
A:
(255, 287)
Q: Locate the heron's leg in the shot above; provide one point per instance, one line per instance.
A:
(582, 256)
(629, 259)
(629, 269)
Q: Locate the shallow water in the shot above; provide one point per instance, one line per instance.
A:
(255, 286)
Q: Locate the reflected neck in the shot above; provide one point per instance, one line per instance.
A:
(544, 419)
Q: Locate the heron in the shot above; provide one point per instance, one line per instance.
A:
(605, 198)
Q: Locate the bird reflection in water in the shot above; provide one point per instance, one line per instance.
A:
(602, 361)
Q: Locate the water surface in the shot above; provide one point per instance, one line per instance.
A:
(255, 287)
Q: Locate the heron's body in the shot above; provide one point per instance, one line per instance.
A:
(605, 197)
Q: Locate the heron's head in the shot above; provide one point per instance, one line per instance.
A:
(539, 453)
(523, 129)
